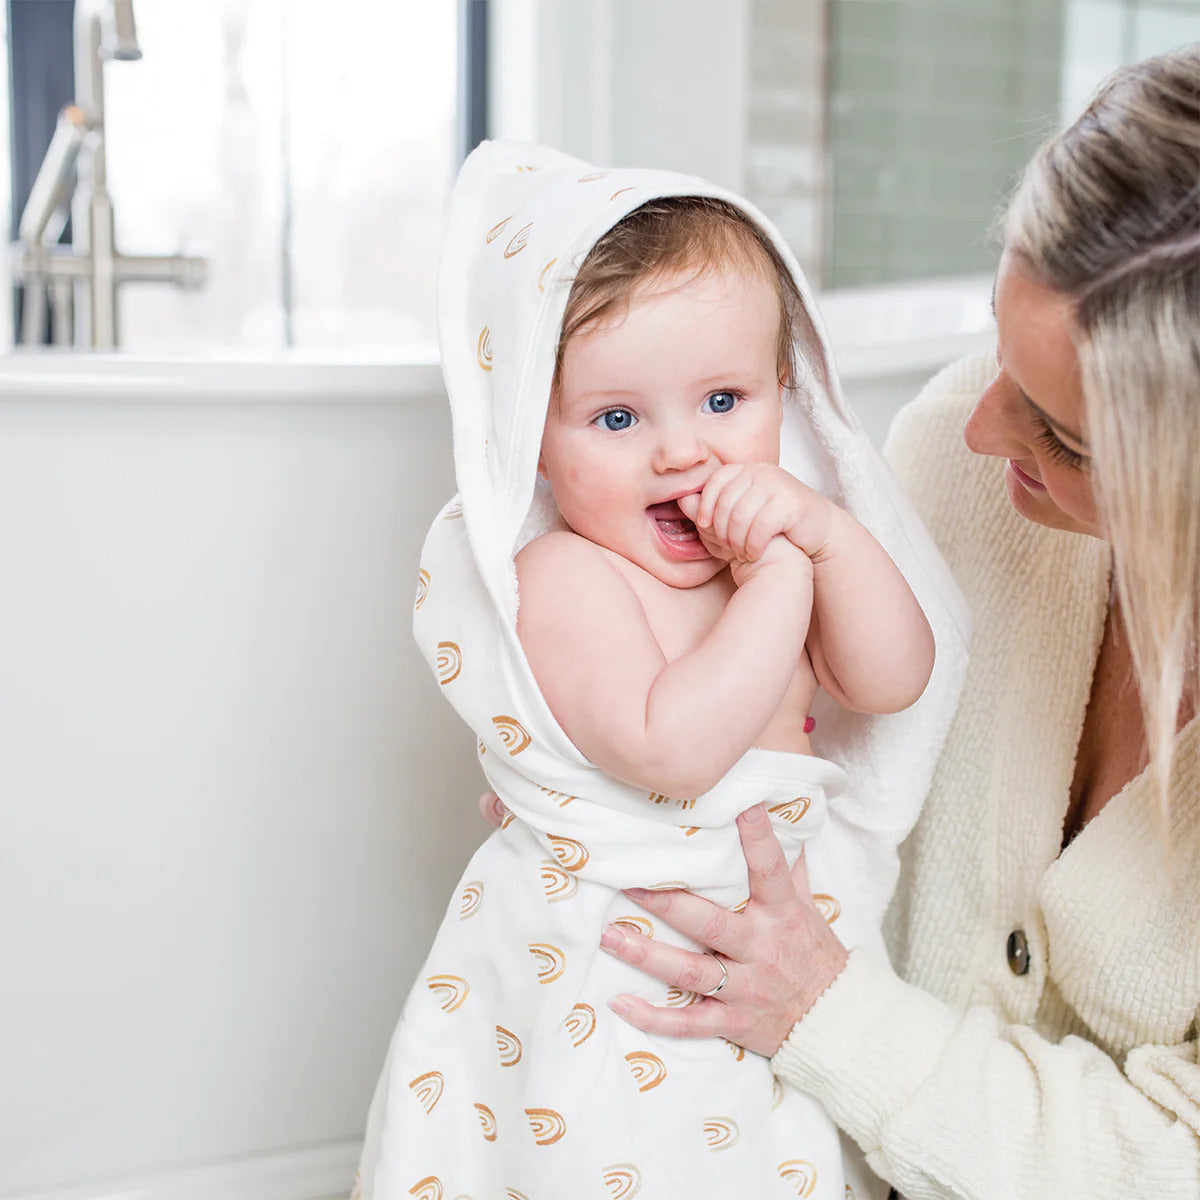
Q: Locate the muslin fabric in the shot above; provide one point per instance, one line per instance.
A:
(508, 1076)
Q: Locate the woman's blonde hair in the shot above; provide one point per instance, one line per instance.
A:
(679, 234)
(1108, 213)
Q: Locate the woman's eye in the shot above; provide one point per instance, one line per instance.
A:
(616, 419)
(721, 402)
(1056, 451)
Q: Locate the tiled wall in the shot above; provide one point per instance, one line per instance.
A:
(785, 166)
(928, 108)
(935, 105)
(883, 135)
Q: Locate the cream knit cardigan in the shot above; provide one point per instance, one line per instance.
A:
(1079, 1078)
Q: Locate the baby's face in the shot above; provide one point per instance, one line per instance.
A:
(651, 404)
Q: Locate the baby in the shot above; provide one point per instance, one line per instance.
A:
(639, 348)
(701, 594)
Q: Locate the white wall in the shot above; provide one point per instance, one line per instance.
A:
(232, 803)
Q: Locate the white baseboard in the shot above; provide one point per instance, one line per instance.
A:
(317, 1173)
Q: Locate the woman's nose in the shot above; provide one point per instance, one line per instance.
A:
(995, 426)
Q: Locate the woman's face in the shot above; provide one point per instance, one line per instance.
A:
(1032, 412)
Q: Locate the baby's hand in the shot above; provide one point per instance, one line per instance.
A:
(744, 505)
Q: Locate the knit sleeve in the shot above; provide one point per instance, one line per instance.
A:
(959, 1105)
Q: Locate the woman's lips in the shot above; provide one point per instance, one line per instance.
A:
(676, 533)
(1028, 480)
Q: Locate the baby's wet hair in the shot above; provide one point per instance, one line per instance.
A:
(670, 236)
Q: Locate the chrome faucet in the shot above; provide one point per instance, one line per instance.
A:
(92, 267)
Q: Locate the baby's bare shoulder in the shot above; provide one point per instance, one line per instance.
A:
(562, 564)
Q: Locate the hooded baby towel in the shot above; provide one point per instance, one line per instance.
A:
(508, 1077)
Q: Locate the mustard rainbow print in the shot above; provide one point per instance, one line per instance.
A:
(518, 241)
(669, 885)
(828, 907)
(623, 1180)
(791, 811)
(776, 1092)
(800, 1174)
(453, 511)
(543, 273)
(428, 1089)
(356, 1190)
(659, 798)
(594, 175)
(637, 924)
(512, 734)
(422, 587)
(618, 192)
(507, 819)
(449, 662)
(511, 1193)
(429, 1188)
(741, 906)
(678, 998)
(483, 350)
(509, 1047)
(562, 799)
(571, 855)
(451, 990)
(720, 1133)
(738, 1053)
(497, 229)
(487, 1119)
(548, 1126)
(688, 830)
(580, 1024)
(470, 899)
(648, 1069)
(558, 883)
(550, 960)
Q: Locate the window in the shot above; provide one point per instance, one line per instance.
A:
(305, 149)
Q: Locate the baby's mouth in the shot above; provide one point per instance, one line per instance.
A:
(671, 522)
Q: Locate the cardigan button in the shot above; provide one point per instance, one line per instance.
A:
(1018, 952)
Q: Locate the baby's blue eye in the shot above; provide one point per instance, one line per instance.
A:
(617, 419)
(721, 402)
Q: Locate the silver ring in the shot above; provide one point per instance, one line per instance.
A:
(724, 976)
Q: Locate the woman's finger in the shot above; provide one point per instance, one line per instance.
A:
(684, 969)
(492, 809)
(706, 1019)
(770, 879)
(700, 919)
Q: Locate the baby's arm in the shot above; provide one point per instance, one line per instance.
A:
(672, 727)
(870, 644)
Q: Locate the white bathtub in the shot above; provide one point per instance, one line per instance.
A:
(233, 803)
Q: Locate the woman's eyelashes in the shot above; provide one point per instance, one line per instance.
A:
(1056, 450)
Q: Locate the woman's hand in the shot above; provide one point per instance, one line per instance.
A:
(491, 809)
(779, 953)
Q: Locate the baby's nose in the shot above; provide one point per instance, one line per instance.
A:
(679, 449)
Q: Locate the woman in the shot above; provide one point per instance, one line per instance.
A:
(1038, 1035)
